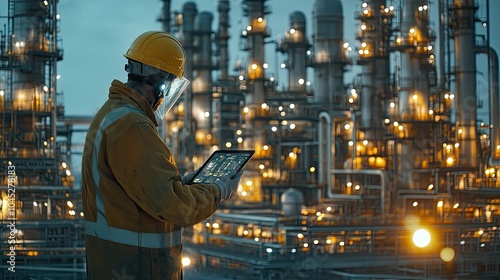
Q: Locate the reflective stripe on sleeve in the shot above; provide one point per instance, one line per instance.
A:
(100, 228)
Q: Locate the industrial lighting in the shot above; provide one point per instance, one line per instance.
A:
(301, 81)
(228, 144)
(415, 204)
(70, 204)
(430, 187)
(283, 65)
(363, 27)
(440, 204)
(249, 28)
(292, 126)
(265, 65)
(185, 261)
(263, 105)
(206, 114)
(455, 206)
(447, 254)
(364, 5)
(241, 78)
(274, 129)
(246, 110)
(2, 92)
(254, 66)
(292, 31)
(240, 140)
(346, 45)
(421, 238)
(292, 106)
(260, 19)
(347, 126)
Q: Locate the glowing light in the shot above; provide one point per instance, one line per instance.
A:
(228, 144)
(351, 143)
(215, 225)
(440, 204)
(263, 105)
(316, 242)
(185, 261)
(292, 106)
(431, 112)
(301, 81)
(249, 28)
(357, 187)
(292, 126)
(265, 147)
(430, 187)
(260, 19)
(392, 104)
(363, 45)
(35, 203)
(312, 169)
(347, 126)
(415, 204)
(265, 65)
(456, 205)
(292, 31)
(283, 65)
(363, 27)
(70, 204)
(269, 250)
(254, 66)
(447, 254)
(364, 5)
(300, 235)
(274, 129)
(239, 140)
(246, 110)
(421, 238)
(412, 31)
(241, 78)
(68, 173)
(346, 45)
(365, 142)
(206, 114)
(305, 245)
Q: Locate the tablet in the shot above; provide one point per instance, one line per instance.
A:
(220, 163)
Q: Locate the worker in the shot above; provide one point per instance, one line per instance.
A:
(135, 202)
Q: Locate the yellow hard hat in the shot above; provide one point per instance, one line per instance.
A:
(160, 50)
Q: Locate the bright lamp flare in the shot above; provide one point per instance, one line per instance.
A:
(421, 238)
(186, 261)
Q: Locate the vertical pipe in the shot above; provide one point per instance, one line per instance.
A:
(441, 56)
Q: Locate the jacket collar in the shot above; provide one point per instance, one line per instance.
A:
(121, 91)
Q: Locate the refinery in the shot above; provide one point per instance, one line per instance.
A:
(389, 175)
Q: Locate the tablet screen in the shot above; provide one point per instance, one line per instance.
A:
(220, 163)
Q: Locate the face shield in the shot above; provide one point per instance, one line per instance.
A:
(169, 90)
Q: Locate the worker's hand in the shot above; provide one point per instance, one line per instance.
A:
(186, 179)
(228, 186)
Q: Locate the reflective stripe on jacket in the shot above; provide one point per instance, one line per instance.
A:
(134, 201)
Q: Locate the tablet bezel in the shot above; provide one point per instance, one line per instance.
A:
(251, 153)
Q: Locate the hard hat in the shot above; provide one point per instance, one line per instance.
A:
(159, 58)
(160, 50)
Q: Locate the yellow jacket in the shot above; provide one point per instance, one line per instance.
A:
(134, 201)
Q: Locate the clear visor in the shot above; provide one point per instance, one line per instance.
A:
(172, 88)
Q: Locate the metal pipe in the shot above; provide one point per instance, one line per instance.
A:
(494, 98)
(223, 38)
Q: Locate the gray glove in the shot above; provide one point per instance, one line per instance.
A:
(228, 186)
(188, 177)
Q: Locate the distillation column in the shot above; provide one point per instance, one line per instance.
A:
(374, 34)
(296, 46)
(465, 72)
(189, 12)
(30, 126)
(222, 38)
(164, 18)
(329, 57)
(202, 82)
(412, 111)
(256, 32)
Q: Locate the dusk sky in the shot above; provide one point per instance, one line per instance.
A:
(96, 33)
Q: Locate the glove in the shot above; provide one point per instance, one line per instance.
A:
(188, 177)
(228, 186)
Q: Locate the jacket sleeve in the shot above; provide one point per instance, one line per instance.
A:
(144, 167)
